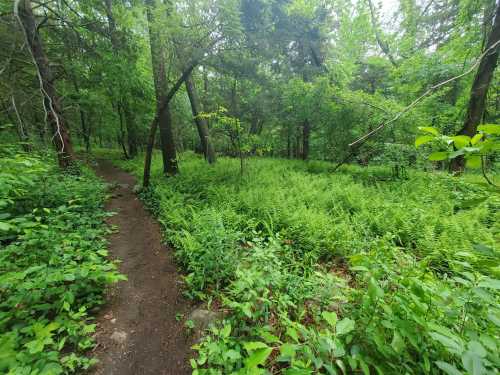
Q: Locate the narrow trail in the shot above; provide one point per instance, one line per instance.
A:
(137, 331)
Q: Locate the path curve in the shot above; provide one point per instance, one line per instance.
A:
(138, 331)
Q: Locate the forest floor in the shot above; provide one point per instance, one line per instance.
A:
(139, 330)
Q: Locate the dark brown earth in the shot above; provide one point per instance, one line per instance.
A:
(138, 331)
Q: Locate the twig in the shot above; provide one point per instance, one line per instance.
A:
(483, 168)
(21, 125)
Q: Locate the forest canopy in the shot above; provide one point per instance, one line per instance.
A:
(301, 79)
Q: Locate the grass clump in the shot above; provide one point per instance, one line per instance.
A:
(53, 266)
(335, 273)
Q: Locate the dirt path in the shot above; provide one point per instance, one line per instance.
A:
(138, 332)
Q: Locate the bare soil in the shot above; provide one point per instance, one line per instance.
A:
(139, 330)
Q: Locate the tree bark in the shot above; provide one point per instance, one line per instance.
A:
(164, 102)
(160, 83)
(480, 86)
(121, 133)
(201, 123)
(51, 100)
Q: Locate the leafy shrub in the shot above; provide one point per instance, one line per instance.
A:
(53, 266)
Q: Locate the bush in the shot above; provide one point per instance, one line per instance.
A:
(53, 266)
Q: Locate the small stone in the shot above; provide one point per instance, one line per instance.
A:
(119, 337)
(202, 318)
(137, 189)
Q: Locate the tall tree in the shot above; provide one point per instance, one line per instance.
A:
(160, 82)
(201, 123)
(480, 85)
(51, 101)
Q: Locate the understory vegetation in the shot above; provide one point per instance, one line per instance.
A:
(352, 272)
(53, 266)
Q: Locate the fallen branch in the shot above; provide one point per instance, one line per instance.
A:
(360, 141)
(425, 94)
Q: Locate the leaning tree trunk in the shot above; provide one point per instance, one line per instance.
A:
(480, 86)
(201, 123)
(164, 116)
(51, 101)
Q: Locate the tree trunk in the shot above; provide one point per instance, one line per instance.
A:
(306, 130)
(117, 45)
(149, 154)
(479, 90)
(160, 82)
(131, 129)
(121, 134)
(83, 123)
(201, 123)
(51, 100)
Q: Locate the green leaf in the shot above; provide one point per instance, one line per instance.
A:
(232, 355)
(454, 154)
(490, 284)
(476, 348)
(345, 326)
(258, 357)
(52, 369)
(287, 351)
(494, 317)
(429, 129)
(254, 345)
(476, 138)
(439, 155)
(473, 363)
(491, 129)
(461, 141)
(448, 369)
(398, 344)
(473, 161)
(4, 227)
(193, 363)
(330, 317)
(226, 331)
(268, 337)
(292, 332)
(374, 289)
(423, 140)
(451, 344)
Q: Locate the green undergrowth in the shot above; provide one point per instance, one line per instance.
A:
(346, 272)
(53, 266)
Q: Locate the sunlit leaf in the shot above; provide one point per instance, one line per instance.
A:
(492, 129)
(423, 139)
(439, 155)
